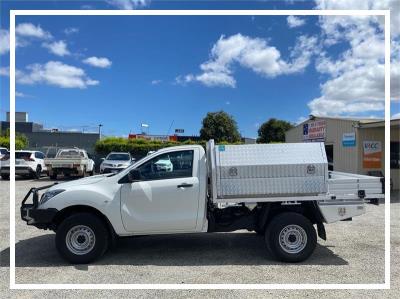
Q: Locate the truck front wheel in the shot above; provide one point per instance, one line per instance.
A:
(290, 237)
(82, 238)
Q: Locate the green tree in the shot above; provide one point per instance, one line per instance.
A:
(219, 126)
(273, 130)
(21, 141)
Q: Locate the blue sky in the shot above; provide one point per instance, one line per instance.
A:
(75, 72)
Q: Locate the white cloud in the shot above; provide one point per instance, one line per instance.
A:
(4, 41)
(355, 81)
(392, 5)
(55, 73)
(5, 71)
(294, 21)
(30, 30)
(101, 62)
(254, 54)
(71, 30)
(58, 48)
(354, 91)
(22, 95)
(396, 116)
(129, 4)
(156, 82)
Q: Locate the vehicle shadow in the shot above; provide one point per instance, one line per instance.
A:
(168, 250)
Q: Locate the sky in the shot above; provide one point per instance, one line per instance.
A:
(75, 72)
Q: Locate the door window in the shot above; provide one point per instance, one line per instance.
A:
(168, 166)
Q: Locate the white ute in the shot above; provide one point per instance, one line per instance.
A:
(279, 191)
(71, 161)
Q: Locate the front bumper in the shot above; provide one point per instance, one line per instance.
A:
(41, 218)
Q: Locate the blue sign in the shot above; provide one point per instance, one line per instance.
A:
(349, 139)
(221, 148)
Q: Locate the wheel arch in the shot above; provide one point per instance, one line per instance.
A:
(308, 209)
(68, 211)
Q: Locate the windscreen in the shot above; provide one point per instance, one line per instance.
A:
(69, 153)
(118, 157)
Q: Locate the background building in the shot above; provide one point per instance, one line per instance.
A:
(352, 144)
(47, 140)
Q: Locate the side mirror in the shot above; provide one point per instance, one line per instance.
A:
(134, 176)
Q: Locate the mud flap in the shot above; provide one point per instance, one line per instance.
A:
(321, 231)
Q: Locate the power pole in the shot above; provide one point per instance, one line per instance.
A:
(100, 125)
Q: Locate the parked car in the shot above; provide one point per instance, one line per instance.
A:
(3, 152)
(115, 162)
(27, 163)
(164, 165)
(70, 161)
(279, 191)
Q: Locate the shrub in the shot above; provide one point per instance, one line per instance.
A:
(138, 147)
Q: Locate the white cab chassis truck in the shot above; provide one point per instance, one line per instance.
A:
(72, 161)
(280, 191)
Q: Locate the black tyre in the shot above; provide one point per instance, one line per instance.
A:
(53, 176)
(259, 231)
(5, 176)
(82, 238)
(37, 173)
(84, 174)
(290, 237)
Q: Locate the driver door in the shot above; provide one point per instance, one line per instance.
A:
(166, 197)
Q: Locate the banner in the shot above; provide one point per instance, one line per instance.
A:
(314, 131)
(372, 154)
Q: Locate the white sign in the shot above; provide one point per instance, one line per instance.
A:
(349, 139)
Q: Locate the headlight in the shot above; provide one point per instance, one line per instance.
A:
(50, 194)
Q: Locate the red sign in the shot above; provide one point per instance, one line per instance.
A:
(153, 137)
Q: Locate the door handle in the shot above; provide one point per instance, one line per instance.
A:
(184, 185)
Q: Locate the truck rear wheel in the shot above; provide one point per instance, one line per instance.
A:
(82, 238)
(290, 237)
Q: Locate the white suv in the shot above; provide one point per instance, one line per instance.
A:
(3, 152)
(27, 163)
(115, 162)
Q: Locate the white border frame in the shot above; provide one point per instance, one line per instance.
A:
(385, 13)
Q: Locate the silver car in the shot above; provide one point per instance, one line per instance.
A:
(115, 162)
